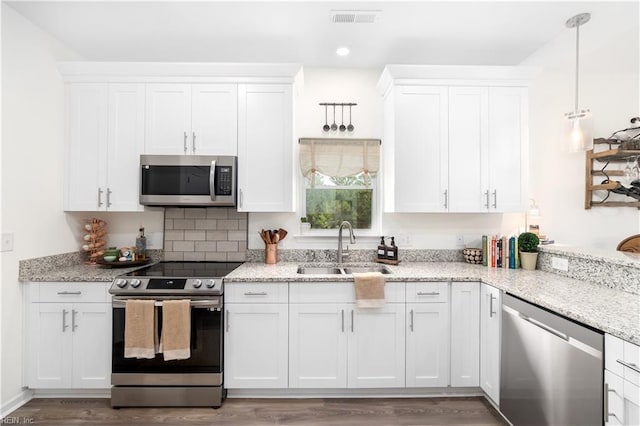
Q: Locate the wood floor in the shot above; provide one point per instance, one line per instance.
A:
(258, 412)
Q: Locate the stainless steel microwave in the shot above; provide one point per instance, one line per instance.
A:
(188, 180)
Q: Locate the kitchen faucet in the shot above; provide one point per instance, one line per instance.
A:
(352, 239)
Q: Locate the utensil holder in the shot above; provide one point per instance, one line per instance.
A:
(270, 254)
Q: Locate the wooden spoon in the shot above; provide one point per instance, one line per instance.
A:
(283, 233)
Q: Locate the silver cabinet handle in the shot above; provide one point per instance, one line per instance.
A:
(194, 141)
(411, 324)
(491, 312)
(240, 198)
(64, 320)
(184, 142)
(446, 198)
(432, 293)
(486, 195)
(629, 365)
(342, 314)
(352, 320)
(252, 293)
(73, 320)
(69, 292)
(607, 414)
(495, 199)
(226, 320)
(100, 203)
(108, 197)
(544, 327)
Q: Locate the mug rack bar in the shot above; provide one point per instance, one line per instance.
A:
(336, 104)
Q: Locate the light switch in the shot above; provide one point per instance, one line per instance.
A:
(7, 242)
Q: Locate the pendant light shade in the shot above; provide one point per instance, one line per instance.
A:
(578, 124)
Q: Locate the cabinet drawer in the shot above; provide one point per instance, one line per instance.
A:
(256, 293)
(340, 292)
(428, 292)
(58, 292)
(622, 358)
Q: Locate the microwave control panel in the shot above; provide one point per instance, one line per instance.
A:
(224, 180)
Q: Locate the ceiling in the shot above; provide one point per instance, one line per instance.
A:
(424, 32)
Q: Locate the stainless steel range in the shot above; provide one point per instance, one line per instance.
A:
(196, 381)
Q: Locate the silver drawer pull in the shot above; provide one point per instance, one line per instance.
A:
(64, 320)
(433, 293)
(69, 292)
(629, 365)
(255, 293)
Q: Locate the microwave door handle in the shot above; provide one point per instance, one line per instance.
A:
(212, 180)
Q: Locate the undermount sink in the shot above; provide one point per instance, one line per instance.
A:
(348, 270)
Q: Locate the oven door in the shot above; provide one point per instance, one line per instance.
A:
(203, 368)
(189, 180)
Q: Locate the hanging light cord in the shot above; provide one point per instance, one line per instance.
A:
(577, 65)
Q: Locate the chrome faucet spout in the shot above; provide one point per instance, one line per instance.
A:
(352, 238)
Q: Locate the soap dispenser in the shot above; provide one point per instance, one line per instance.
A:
(392, 250)
(382, 249)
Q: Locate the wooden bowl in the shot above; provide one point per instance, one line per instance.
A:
(473, 255)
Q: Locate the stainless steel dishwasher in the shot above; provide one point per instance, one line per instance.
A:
(551, 367)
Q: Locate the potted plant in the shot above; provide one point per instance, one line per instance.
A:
(305, 226)
(528, 247)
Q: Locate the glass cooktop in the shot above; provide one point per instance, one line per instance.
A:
(186, 270)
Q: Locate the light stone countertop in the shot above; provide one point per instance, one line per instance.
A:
(612, 311)
(78, 273)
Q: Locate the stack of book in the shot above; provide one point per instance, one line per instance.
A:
(500, 251)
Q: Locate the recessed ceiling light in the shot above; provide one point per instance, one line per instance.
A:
(342, 51)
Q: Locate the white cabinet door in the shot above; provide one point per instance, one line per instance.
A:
(256, 346)
(468, 138)
(622, 400)
(50, 345)
(265, 148)
(125, 144)
(168, 119)
(376, 347)
(465, 334)
(318, 345)
(86, 176)
(416, 160)
(490, 322)
(508, 139)
(91, 331)
(214, 119)
(427, 345)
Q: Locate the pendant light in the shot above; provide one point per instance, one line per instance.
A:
(578, 123)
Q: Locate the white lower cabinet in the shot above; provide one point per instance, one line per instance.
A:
(334, 344)
(621, 392)
(428, 348)
(69, 336)
(465, 334)
(256, 336)
(490, 328)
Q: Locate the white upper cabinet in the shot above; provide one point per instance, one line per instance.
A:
(265, 148)
(198, 119)
(104, 141)
(455, 138)
(416, 153)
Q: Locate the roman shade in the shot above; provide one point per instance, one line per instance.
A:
(339, 157)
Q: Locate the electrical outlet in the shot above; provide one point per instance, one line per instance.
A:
(403, 240)
(7, 242)
(560, 263)
(459, 240)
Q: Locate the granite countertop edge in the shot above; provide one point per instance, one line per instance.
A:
(80, 273)
(612, 311)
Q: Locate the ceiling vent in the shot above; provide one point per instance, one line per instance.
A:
(354, 16)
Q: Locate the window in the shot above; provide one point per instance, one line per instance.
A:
(340, 182)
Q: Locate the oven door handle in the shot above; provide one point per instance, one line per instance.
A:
(205, 304)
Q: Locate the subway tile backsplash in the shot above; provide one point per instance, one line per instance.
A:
(205, 234)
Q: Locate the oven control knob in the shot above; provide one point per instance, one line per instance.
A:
(135, 283)
(210, 283)
(122, 283)
(197, 283)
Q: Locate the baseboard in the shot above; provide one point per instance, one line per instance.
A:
(16, 402)
(355, 393)
(72, 393)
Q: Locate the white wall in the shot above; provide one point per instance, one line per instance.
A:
(32, 178)
(609, 86)
(411, 230)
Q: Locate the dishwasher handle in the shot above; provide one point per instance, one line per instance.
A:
(544, 326)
